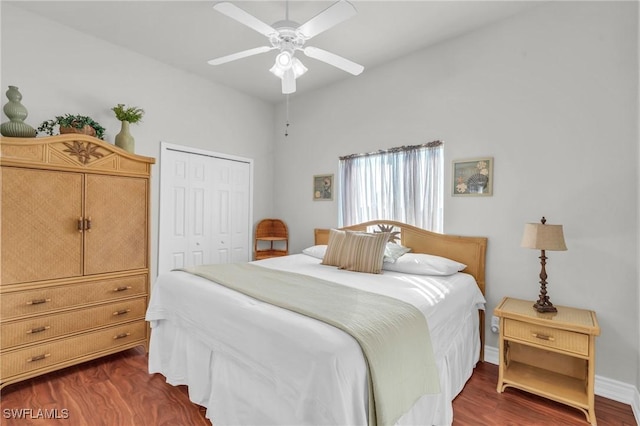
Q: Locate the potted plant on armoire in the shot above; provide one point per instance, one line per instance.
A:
(126, 115)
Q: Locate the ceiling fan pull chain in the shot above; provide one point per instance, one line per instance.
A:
(286, 129)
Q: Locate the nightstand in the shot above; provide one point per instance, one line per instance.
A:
(548, 354)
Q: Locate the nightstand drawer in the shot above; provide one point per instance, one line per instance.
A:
(569, 341)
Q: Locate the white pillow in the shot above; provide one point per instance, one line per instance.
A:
(316, 251)
(424, 264)
(393, 251)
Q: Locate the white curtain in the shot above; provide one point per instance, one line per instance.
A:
(404, 184)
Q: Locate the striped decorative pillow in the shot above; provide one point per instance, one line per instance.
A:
(363, 252)
(334, 248)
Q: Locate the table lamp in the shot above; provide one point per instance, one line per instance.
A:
(541, 236)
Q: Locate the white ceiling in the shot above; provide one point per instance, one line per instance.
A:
(186, 34)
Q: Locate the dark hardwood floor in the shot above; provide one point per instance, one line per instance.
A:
(480, 404)
(118, 391)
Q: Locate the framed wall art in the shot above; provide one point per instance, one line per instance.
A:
(323, 188)
(473, 177)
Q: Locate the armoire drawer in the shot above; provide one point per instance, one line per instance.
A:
(59, 351)
(48, 326)
(47, 299)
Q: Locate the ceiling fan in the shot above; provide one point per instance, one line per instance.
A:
(288, 37)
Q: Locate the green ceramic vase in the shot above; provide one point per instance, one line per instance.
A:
(124, 139)
(16, 112)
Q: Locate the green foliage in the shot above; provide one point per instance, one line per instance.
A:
(68, 120)
(130, 114)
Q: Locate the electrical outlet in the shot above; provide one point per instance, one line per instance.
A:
(495, 324)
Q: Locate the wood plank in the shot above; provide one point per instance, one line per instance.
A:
(117, 390)
(480, 404)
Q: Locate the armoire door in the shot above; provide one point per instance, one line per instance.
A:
(116, 240)
(205, 208)
(40, 235)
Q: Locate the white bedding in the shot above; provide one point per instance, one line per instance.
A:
(251, 363)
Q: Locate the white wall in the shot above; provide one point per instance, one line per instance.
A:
(59, 70)
(550, 94)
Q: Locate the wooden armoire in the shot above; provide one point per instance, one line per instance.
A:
(74, 277)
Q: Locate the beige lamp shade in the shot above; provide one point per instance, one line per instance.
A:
(543, 237)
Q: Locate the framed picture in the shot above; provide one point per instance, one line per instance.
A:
(323, 188)
(473, 177)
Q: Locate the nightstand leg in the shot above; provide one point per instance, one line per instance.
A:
(501, 365)
(591, 371)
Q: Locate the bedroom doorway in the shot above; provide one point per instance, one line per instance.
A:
(205, 207)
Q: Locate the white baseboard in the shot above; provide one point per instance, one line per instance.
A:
(604, 387)
(491, 355)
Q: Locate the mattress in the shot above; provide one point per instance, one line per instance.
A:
(251, 363)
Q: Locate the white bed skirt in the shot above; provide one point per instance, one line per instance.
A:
(234, 394)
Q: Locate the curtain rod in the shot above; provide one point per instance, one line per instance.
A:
(396, 149)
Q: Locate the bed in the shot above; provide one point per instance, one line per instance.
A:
(253, 363)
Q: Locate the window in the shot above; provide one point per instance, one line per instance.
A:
(404, 184)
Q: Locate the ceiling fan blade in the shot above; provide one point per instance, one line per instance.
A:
(333, 15)
(333, 59)
(288, 82)
(240, 55)
(233, 11)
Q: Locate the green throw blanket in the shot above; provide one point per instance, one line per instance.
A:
(393, 335)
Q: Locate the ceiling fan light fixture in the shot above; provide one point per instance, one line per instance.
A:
(298, 68)
(277, 71)
(284, 60)
(295, 66)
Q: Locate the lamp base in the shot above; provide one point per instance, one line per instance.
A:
(543, 304)
(545, 307)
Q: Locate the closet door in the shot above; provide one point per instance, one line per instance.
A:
(230, 211)
(205, 208)
(116, 207)
(40, 236)
(185, 210)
